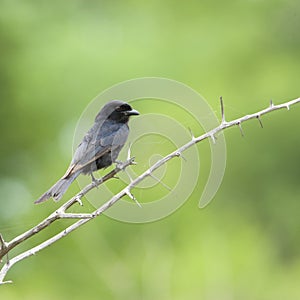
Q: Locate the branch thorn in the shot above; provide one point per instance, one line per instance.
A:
(271, 103)
(222, 110)
(2, 242)
(241, 129)
(129, 151)
(6, 282)
(78, 200)
(213, 138)
(130, 195)
(179, 154)
(259, 120)
(120, 165)
(191, 133)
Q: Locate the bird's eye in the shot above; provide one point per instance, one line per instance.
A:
(124, 107)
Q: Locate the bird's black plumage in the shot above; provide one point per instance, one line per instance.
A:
(99, 148)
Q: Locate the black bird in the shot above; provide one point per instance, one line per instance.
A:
(99, 148)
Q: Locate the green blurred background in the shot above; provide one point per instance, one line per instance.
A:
(55, 56)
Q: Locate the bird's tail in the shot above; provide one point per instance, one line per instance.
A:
(58, 189)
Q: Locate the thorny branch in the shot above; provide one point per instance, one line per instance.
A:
(61, 212)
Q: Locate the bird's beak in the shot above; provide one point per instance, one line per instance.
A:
(132, 112)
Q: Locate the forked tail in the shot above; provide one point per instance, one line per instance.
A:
(58, 189)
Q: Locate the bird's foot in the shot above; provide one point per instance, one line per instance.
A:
(119, 164)
(94, 180)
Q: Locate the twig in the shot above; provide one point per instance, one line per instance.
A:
(84, 218)
(60, 213)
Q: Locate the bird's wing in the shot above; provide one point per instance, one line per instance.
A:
(96, 143)
(73, 168)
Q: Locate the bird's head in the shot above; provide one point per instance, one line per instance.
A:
(116, 110)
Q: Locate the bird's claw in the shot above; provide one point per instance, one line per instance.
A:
(119, 164)
(94, 180)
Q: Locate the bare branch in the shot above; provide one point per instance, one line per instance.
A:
(61, 213)
(75, 216)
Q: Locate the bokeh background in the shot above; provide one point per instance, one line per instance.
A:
(55, 56)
